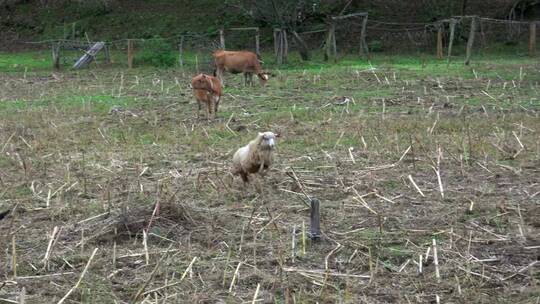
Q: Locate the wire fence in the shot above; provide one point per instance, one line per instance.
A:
(194, 50)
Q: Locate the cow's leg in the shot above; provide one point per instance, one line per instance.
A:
(219, 75)
(209, 109)
(245, 79)
(216, 105)
(198, 109)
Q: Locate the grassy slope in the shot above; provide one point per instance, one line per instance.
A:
(123, 19)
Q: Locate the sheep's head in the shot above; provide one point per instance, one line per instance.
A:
(202, 82)
(268, 140)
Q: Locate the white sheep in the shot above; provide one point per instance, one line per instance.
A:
(255, 157)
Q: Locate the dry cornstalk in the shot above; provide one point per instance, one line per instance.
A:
(351, 155)
(234, 277)
(143, 286)
(338, 248)
(304, 237)
(145, 244)
(293, 243)
(384, 198)
(436, 261)
(256, 294)
(416, 186)
(13, 256)
(22, 296)
(323, 272)
(363, 202)
(50, 247)
(438, 172)
(80, 278)
(188, 269)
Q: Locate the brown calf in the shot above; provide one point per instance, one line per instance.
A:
(206, 89)
(239, 62)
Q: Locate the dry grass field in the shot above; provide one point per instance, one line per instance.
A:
(402, 154)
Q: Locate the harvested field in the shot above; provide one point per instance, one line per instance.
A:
(428, 177)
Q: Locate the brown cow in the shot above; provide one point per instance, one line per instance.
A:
(239, 62)
(206, 89)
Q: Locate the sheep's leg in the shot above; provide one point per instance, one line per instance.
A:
(258, 186)
(244, 177)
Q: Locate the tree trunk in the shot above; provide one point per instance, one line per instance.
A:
(302, 46)
(463, 7)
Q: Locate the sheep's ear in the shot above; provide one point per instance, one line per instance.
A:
(261, 134)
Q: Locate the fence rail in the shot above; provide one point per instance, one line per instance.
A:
(341, 32)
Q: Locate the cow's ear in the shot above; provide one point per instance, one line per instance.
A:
(203, 75)
(277, 135)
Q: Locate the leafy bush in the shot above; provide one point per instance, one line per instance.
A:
(156, 52)
(375, 46)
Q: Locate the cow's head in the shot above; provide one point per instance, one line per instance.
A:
(263, 77)
(202, 82)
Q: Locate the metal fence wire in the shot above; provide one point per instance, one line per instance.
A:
(194, 50)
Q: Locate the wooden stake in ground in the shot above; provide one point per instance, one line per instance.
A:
(470, 42)
(451, 40)
(181, 52)
(440, 42)
(315, 217)
(532, 39)
(80, 278)
(222, 39)
(130, 53)
(330, 45)
(364, 49)
(276, 45)
(56, 55)
(257, 48)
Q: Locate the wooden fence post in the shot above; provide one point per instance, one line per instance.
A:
(107, 54)
(222, 39)
(276, 42)
(257, 49)
(315, 220)
(451, 40)
(330, 46)
(364, 49)
(279, 47)
(181, 51)
(56, 55)
(130, 53)
(439, 41)
(532, 39)
(285, 45)
(470, 42)
(334, 44)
